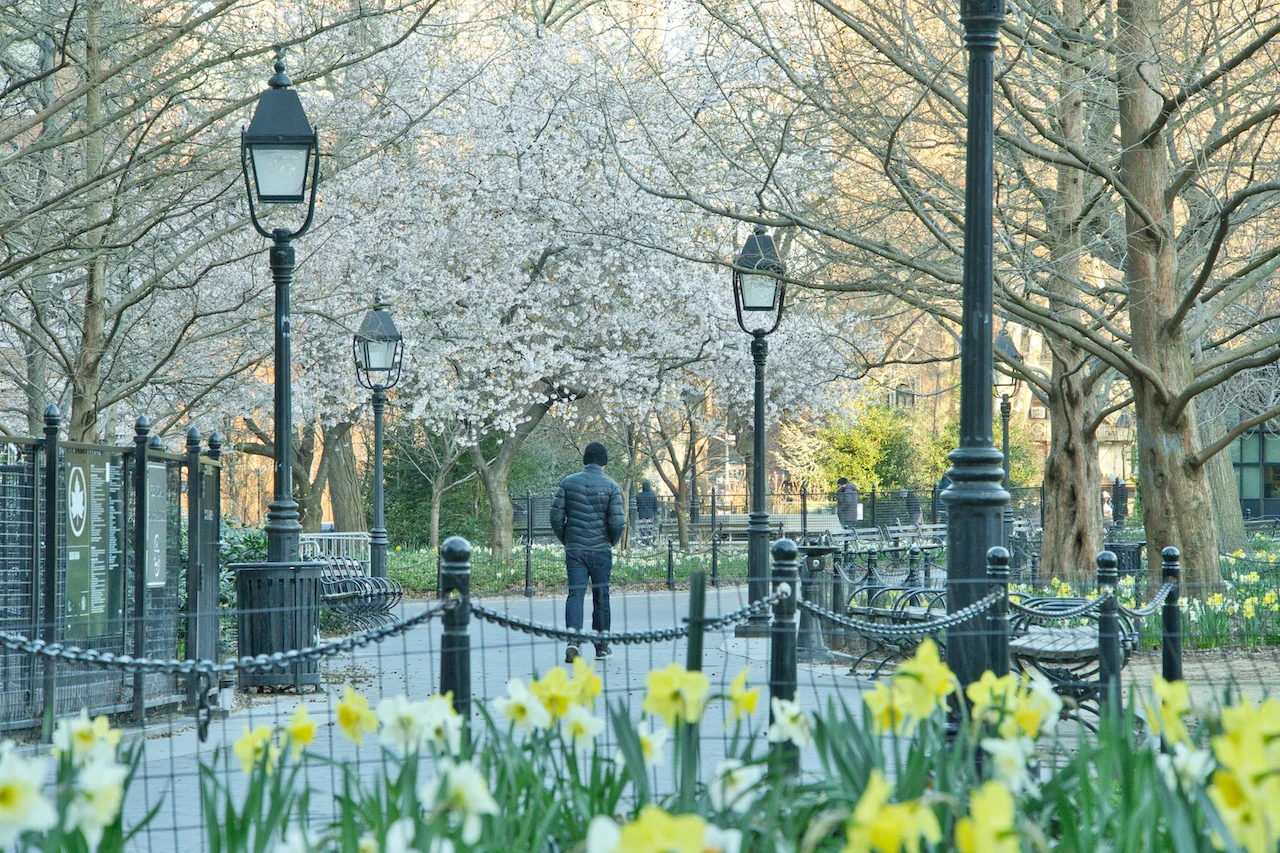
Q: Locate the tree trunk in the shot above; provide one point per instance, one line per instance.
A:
(437, 499)
(495, 475)
(1175, 494)
(1228, 520)
(682, 515)
(345, 493)
(86, 377)
(1072, 479)
(501, 514)
(304, 488)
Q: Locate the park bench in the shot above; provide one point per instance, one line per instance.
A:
(350, 594)
(918, 533)
(1264, 524)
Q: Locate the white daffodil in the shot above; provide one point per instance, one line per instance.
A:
(443, 724)
(719, 840)
(298, 840)
(734, 785)
(1186, 767)
(462, 792)
(97, 797)
(789, 723)
(1043, 698)
(403, 724)
(400, 835)
(83, 738)
(581, 727)
(522, 708)
(1009, 760)
(23, 806)
(368, 843)
(651, 746)
(603, 835)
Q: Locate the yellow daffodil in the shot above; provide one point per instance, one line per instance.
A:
(743, 701)
(1172, 702)
(301, 730)
(355, 717)
(556, 692)
(930, 680)
(990, 696)
(82, 738)
(878, 826)
(676, 694)
(586, 684)
(888, 710)
(990, 825)
(255, 747)
(656, 831)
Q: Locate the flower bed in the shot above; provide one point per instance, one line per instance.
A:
(536, 777)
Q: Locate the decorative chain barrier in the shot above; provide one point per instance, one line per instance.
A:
(205, 670)
(923, 629)
(571, 635)
(1058, 615)
(1152, 606)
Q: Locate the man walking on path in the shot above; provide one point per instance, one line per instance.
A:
(646, 513)
(847, 503)
(587, 517)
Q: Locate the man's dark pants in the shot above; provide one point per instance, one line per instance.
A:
(588, 567)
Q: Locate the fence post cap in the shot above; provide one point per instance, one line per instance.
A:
(156, 444)
(455, 549)
(998, 557)
(52, 415)
(914, 551)
(1171, 554)
(215, 440)
(142, 426)
(1107, 560)
(193, 437)
(784, 550)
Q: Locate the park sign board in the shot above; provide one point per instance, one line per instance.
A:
(94, 506)
(157, 523)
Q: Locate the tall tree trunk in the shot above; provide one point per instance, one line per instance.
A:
(86, 377)
(345, 493)
(437, 499)
(1228, 520)
(1175, 493)
(495, 475)
(1072, 514)
(304, 488)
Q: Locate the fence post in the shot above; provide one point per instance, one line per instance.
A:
(141, 432)
(1109, 698)
(873, 507)
(933, 504)
(693, 661)
(998, 615)
(1035, 568)
(804, 511)
(455, 643)
(913, 566)
(49, 585)
(839, 600)
(671, 563)
(196, 605)
(811, 646)
(715, 557)
(1171, 640)
(213, 513)
(713, 520)
(528, 545)
(782, 641)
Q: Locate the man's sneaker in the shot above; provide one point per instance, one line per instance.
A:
(570, 654)
(603, 653)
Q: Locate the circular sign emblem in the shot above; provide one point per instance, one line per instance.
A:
(77, 501)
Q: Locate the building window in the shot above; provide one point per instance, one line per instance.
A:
(903, 396)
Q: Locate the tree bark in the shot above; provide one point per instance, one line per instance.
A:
(1228, 520)
(495, 475)
(1175, 495)
(345, 492)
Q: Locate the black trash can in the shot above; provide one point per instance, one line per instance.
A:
(278, 610)
(1128, 557)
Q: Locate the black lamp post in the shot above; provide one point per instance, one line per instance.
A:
(975, 499)
(759, 294)
(378, 349)
(281, 152)
(1008, 386)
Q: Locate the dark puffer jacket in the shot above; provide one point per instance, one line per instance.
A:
(586, 514)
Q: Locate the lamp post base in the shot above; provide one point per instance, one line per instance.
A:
(754, 629)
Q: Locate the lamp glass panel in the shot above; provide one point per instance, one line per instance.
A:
(280, 171)
(379, 355)
(759, 292)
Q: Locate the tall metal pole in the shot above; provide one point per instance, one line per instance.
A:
(282, 525)
(1005, 412)
(758, 528)
(378, 534)
(975, 499)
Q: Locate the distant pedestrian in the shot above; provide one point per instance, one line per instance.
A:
(646, 503)
(912, 507)
(587, 516)
(846, 503)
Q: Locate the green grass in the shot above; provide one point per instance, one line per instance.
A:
(416, 569)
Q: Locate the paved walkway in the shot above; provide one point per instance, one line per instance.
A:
(410, 665)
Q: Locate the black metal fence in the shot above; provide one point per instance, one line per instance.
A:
(108, 548)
